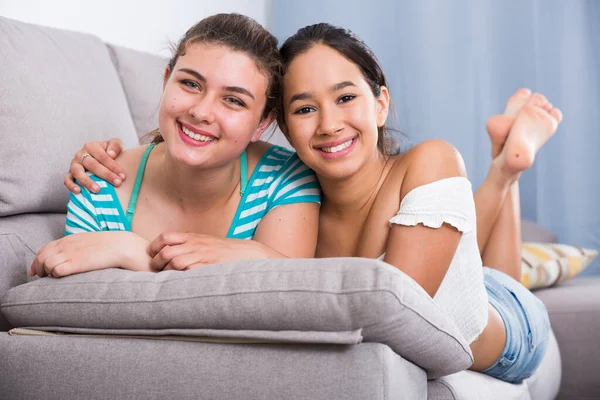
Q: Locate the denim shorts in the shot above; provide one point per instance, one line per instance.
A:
(527, 327)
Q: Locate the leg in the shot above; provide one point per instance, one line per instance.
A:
(490, 196)
(497, 201)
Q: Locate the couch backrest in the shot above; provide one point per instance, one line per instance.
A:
(58, 89)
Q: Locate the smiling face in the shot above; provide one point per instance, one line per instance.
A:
(211, 105)
(331, 114)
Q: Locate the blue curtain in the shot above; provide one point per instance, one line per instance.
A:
(453, 64)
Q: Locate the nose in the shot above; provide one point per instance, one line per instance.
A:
(330, 121)
(203, 109)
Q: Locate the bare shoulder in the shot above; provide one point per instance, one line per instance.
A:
(255, 151)
(130, 159)
(430, 161)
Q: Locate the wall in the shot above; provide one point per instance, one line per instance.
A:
(142, 25)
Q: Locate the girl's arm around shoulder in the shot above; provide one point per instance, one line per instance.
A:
(290, 227)
(425, 253)
(289, 231)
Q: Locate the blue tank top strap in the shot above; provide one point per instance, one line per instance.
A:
(243, 173)
(138, 182)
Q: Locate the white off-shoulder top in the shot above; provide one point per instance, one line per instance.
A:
(462, 294)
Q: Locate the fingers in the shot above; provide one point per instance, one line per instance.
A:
(184, 262)
(69, 182)
(38, 266)
(168, 254)
(114, 148)
(166, 239)
(54, 265)
(77, 171)
(103, 164)
(98, 168)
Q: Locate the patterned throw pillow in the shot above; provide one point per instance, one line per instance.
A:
(547, 264)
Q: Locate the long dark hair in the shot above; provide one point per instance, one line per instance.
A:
(353, 49)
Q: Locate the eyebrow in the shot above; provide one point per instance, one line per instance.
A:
(309, 95)
(235, 89)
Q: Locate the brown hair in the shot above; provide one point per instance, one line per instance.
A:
(239, 33)
(353, 49)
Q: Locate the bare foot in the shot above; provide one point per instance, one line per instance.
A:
(498, 126)
(536, 122)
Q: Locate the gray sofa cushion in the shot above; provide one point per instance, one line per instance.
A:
(67, 367)
(12, 271)
(331, 295)
(533, 232)
(141, 75)
(21, 236)
(63, 91)
(574, 310)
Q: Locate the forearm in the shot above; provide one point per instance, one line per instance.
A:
(255, 250)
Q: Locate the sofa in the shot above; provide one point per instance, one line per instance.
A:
(297, 329)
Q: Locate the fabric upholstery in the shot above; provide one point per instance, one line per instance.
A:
(141, 75)
(21, 236)
(330, 295)
(63, 91)
(58, 367)
(533, 232)
(574, 309)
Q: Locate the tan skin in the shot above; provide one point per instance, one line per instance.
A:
(190, 194)
(362, 190)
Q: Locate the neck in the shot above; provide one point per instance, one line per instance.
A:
(194, 187)
(353, 195)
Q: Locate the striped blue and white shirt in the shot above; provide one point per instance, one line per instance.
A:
(279, 178)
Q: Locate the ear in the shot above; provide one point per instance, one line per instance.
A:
(264, 124)
(383, 106)
(166, 75)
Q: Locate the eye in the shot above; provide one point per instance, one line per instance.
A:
(304, 110)
(191, 84)
(346, 98)
(235, 101)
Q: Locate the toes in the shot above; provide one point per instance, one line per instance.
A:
(556, 114)
(524, 92)
(516, 101)
(538, 99)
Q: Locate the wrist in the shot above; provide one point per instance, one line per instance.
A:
(135, 256)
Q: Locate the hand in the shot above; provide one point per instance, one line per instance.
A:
(100, 162)
(183, 251)
(91, 251)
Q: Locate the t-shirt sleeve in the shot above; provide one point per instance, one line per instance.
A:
(296, 184)
(87, 211)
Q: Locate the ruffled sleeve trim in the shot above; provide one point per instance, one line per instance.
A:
(432, 221)
(448, 201)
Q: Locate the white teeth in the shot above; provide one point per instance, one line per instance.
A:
(337, 148)
(196, 136)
